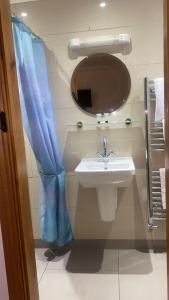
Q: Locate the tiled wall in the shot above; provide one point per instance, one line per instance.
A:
(57, 22)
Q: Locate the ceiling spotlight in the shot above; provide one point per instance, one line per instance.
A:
(24, 14)
(102, 4)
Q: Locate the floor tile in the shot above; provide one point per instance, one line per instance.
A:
(87, 261)
(103, 287)
(93, 261)
(92, 274)
(134, 262)
(110, 261)
(63, 285)
(41, 262)
(59, 263)
(142, 275)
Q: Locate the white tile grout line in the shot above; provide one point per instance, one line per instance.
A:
(119, 272)
(43, 273)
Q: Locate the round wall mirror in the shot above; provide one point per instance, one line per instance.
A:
(100, 84)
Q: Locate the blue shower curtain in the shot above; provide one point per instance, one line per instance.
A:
(39, 124)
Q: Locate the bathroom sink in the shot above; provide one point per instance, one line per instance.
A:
(116, 170)
(106, 175)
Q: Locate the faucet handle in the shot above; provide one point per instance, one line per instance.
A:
(102, 156)
(99, 155)
(111, 153)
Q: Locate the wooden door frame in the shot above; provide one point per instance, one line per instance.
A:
(15, 215)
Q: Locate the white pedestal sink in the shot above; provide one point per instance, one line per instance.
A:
(106, 177)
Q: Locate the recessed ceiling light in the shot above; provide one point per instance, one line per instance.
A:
(24, 14)
(103, 4)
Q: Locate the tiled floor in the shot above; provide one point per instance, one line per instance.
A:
(89, 274)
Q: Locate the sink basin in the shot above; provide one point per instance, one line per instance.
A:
(106, 176)
(117, 170)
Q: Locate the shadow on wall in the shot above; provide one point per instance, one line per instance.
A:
(55, 66)
(129, 224)
(141, 213)
(97, 254)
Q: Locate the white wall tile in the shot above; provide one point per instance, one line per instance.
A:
(72, 185)
(138, 73)
(35, 191)
(28, 160)
(36, 223)
(147, 43)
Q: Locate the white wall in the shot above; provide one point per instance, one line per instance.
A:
(57, 22)
(3, 280)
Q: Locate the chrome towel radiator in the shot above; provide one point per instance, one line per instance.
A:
(155, 149)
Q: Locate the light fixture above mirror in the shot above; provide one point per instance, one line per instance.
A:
(100, 44)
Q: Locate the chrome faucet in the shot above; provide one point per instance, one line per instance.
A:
(104, 147)
(106, 154)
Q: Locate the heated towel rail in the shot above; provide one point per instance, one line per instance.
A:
(155, 148)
